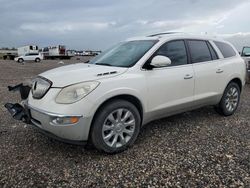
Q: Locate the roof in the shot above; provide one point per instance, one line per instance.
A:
(175, 35)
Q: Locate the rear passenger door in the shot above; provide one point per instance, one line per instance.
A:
(228, 64)
(34, 56)
(205, 65)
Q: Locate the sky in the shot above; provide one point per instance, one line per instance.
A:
(99, 24)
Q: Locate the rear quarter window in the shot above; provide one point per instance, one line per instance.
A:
(226, 49)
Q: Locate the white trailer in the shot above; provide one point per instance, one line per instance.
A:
(55, 52)
(27, 49)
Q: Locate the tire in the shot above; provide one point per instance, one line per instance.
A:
(120, 133)
(230, 100)
(20, 60)
(37, 60)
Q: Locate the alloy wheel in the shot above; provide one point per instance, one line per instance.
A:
(118, 128)
(232, 99)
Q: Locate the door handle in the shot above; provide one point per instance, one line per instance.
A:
(188, 76)
(219, 71)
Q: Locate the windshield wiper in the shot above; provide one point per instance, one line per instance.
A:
(105, 64)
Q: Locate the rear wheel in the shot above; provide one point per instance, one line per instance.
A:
(230, 100)
(20, 60)
(116, 126)
(37, 60)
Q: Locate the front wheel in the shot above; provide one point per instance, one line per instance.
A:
(20, 60)
(116, 126)
(230, 100)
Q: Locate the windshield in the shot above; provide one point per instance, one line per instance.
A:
(125, 54)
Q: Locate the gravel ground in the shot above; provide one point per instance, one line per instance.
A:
(193, 149)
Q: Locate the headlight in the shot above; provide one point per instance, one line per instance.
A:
(40, 87)
(74, 93)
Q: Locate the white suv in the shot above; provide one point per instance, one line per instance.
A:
(109, 99)
(29, 57)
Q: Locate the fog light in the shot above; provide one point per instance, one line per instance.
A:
(65, 120)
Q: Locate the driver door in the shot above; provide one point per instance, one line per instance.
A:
(171, 88)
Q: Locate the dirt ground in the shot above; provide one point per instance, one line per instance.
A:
(193, 149)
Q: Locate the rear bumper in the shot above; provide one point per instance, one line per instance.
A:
(248, 76)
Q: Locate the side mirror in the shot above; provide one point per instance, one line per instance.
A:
(160, 61)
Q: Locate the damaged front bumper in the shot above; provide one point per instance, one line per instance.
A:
(48, 123)
(19, 111)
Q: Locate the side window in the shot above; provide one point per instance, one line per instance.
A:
(199, 51)
(246, 52)
(176, 51)
(226, 49)
(212, 51)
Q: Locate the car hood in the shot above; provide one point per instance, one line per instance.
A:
(76, 73)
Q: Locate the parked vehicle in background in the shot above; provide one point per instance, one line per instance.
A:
(21, 51)
(246, 56)
(8, 54)
(55, 52)
(108, 100)
(87, 53)
(29, 57)
(91, 53)
(79, 53)
(71, 53)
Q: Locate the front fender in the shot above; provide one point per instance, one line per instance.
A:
(99, 100)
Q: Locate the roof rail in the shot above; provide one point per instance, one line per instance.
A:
(165, 33)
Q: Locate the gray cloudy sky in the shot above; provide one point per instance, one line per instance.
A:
(98, 24)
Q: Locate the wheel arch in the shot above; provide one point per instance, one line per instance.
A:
(127, 97)
(237, 81)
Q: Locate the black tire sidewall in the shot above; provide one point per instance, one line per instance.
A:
(20, 60)
(102, 113)
(37, 60)
(222, 104)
